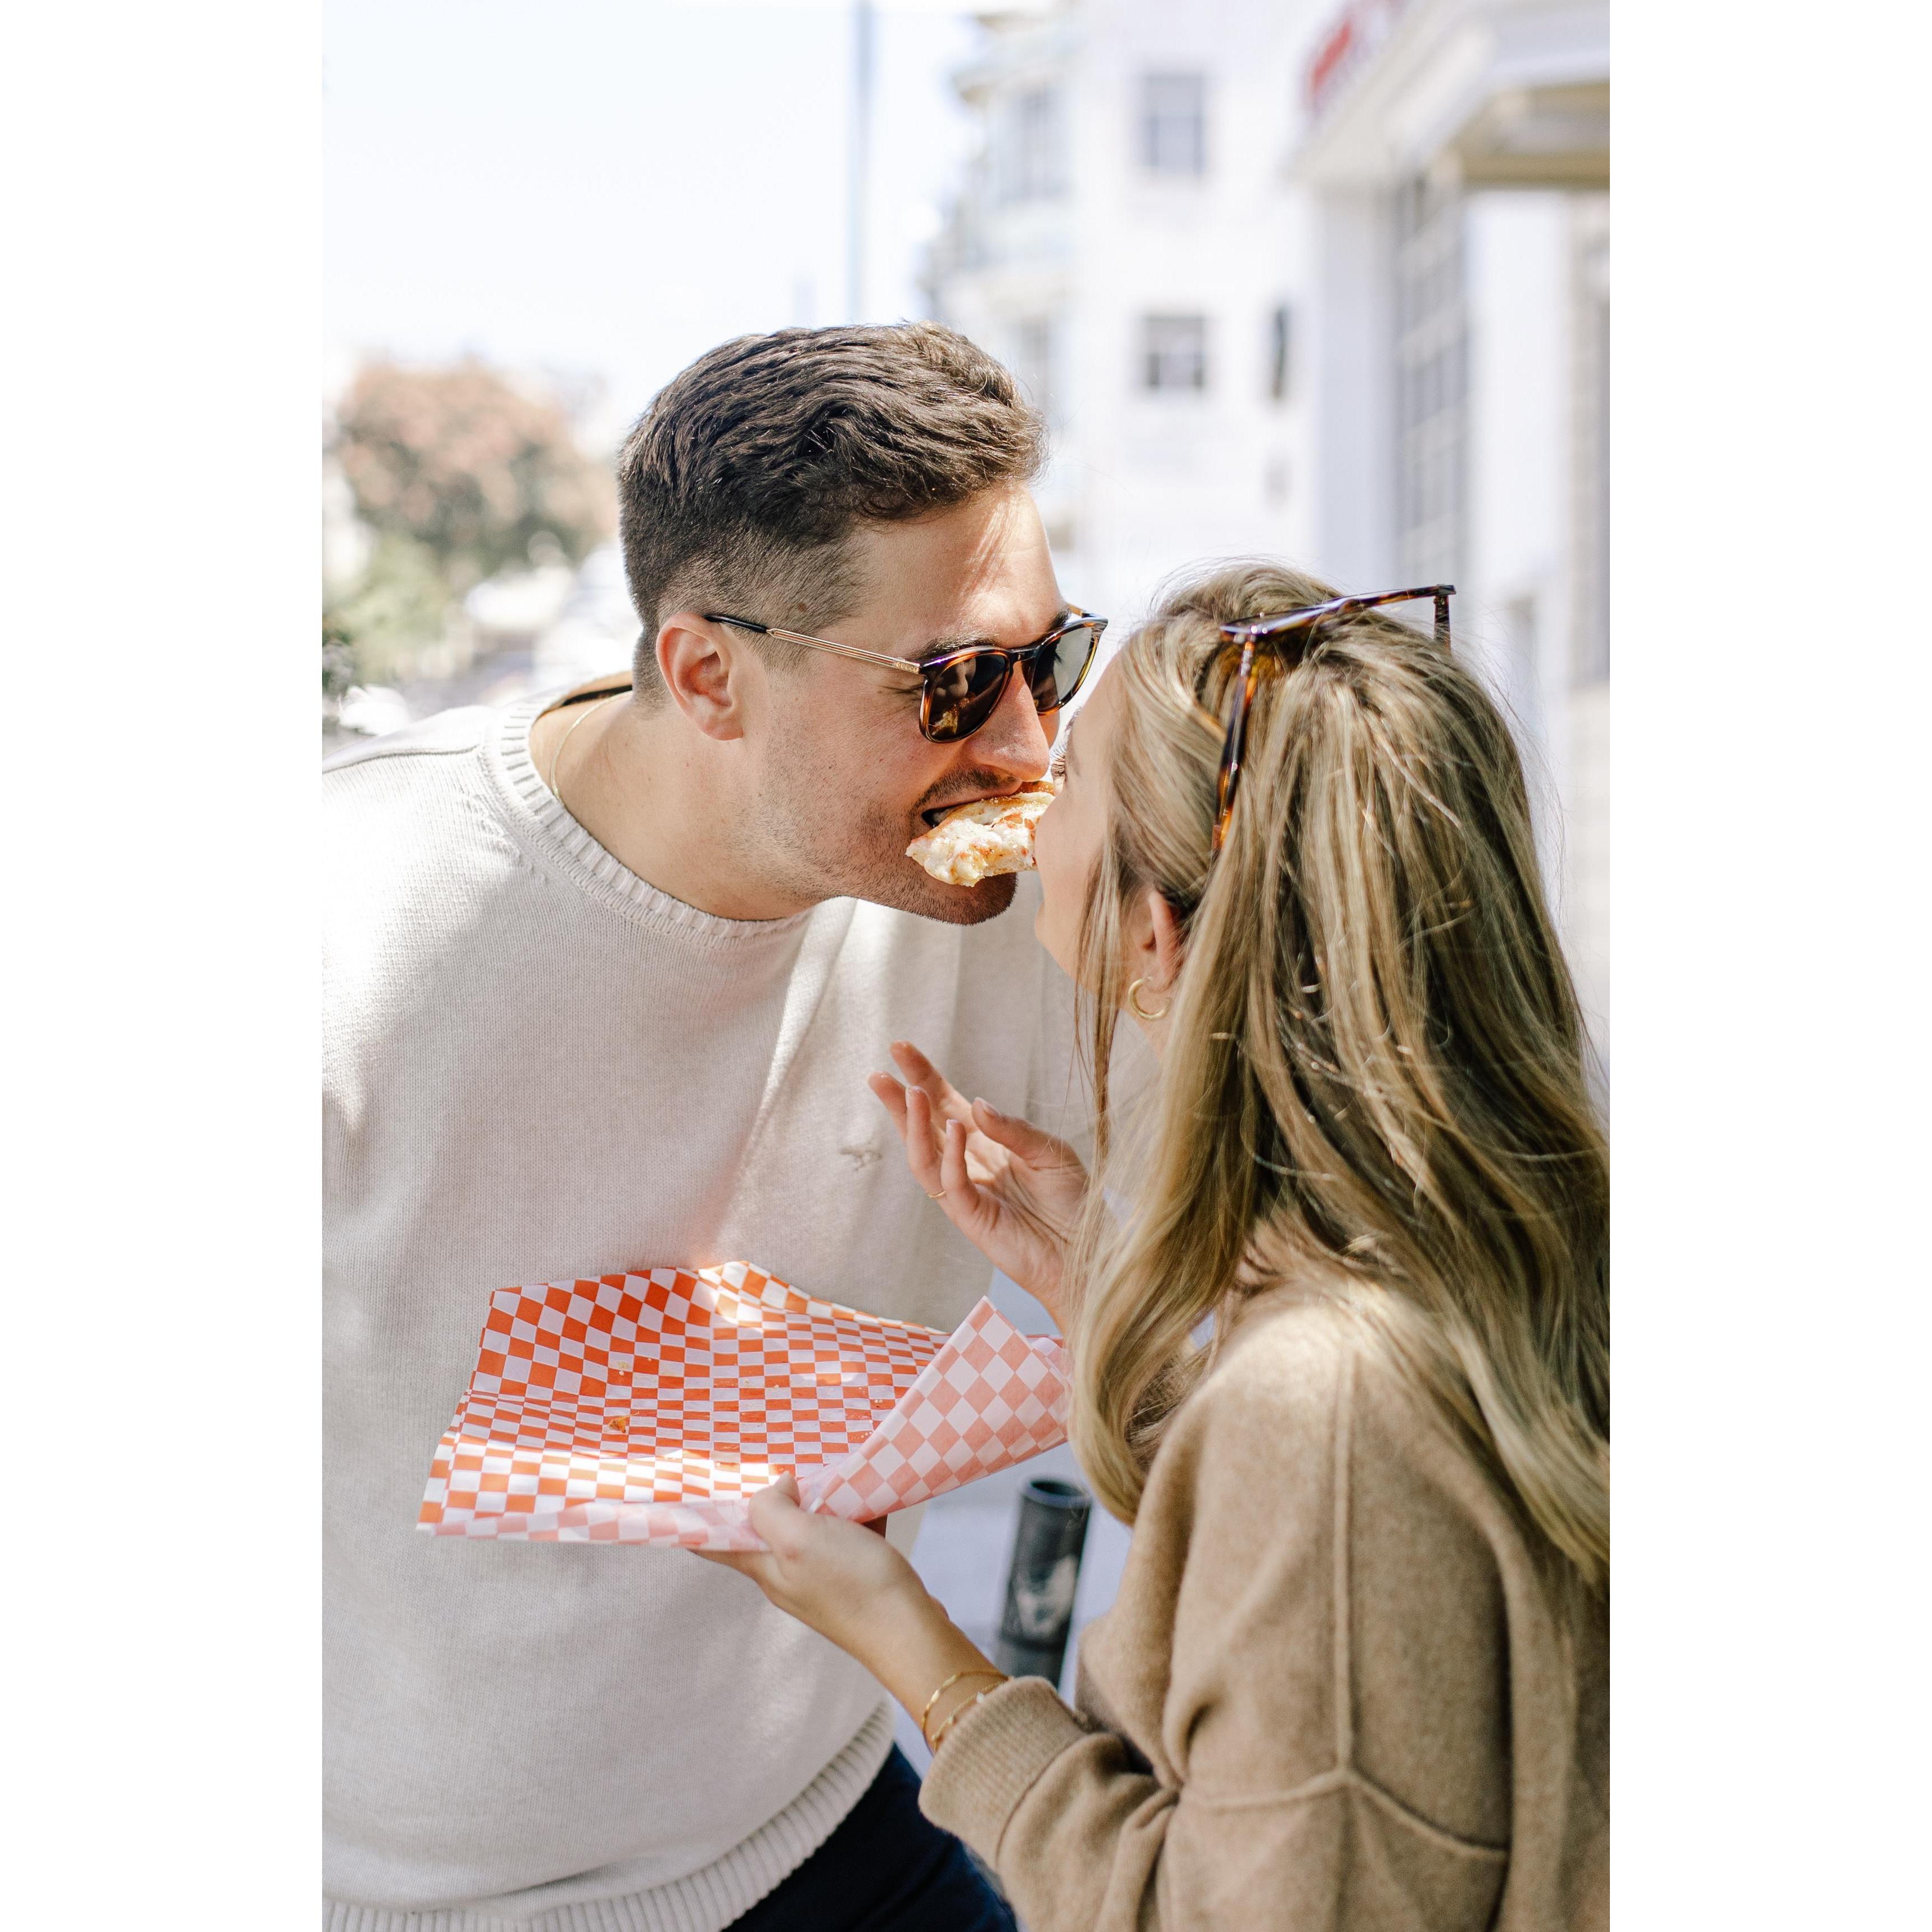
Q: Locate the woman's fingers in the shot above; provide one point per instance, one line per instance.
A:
(922, 1141)
(912, 1114)
(949, 1182)
(778, 1517)
(891, 1096)
(1034, 1145)
(920, 1073)
(915, 1065)
(972, 1212)
(773, 1509)
(993, 1190)
(899, 1101)
(936, 1153)
(953, 1162)
(751, 1563)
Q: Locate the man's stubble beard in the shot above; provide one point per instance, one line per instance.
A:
(906, 885)
(810, 858)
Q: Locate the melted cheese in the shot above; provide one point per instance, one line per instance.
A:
(988, 836)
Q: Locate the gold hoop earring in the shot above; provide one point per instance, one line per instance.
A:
(1134, 1000)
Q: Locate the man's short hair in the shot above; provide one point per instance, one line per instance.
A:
(740, 487)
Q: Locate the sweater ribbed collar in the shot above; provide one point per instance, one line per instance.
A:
(545, 825)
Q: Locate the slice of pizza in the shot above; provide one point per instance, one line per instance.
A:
(990, 835)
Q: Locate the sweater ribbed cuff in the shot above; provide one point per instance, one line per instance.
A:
(992, 1757)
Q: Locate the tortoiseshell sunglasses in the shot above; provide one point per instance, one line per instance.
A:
(959, 691)
(1289, 633)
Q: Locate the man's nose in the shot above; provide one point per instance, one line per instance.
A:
(1016, 738)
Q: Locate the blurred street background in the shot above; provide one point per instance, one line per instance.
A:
(1326, 280)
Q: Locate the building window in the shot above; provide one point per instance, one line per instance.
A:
(1174, 123)
(1032, 152)
(1519, 674)
(1590, 440)
(1174, 351)
(1277, 354)
(1032, 364)
(1432, 384)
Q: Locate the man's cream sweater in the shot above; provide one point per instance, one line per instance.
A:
(1333, 1692)
(538, 1067)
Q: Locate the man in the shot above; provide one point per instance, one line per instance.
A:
(604, 981)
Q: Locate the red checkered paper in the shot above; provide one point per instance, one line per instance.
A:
(648, 1407)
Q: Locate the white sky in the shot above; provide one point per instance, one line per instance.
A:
(609, 187)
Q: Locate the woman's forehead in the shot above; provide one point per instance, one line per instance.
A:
(1094, 720)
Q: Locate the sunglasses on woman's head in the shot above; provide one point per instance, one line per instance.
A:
(960, 690)
(1288, 635)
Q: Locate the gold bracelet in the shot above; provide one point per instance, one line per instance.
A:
(947, 1686)
(935, 1743)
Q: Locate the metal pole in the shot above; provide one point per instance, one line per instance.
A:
(1049, 1541)
(859, 165)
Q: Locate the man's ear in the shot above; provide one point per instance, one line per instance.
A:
(705, 669)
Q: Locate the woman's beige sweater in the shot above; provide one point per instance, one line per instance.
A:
(1332, 1692)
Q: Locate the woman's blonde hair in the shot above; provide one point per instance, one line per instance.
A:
(1373, 1078)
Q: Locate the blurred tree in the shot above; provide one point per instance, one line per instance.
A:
(397, 606)
(459, 474)
(460, 462)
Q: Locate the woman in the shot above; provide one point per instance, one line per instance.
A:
(1344, 1365)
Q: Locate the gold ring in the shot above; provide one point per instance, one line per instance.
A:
(939, 1196)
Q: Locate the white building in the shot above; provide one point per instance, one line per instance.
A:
(1125, 243)
(1456, 153)
(1326, 280)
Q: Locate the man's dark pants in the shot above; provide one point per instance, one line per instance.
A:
(887, 1868)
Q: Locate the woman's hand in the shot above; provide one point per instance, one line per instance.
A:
(1013, 1190)
(842, 1578)
(850, 1584)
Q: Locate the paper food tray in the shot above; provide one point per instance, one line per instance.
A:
(647, 1407)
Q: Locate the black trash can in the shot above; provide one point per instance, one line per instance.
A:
(1049, 1541)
